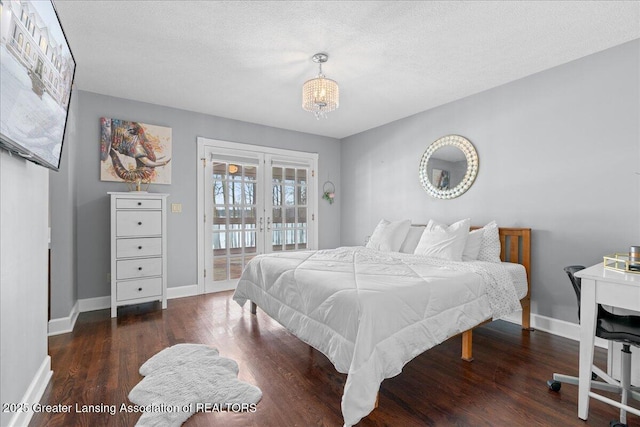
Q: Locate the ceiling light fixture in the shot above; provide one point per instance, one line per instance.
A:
(320, 95)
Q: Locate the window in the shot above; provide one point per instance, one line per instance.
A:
(43, 45)
(20, 37)
(27, 49)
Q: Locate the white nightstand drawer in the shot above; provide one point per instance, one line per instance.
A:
(148, 246)
(139, 289)
(138, 223)
(143, 267)
(138, 204)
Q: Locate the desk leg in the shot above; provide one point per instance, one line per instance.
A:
(588, 311)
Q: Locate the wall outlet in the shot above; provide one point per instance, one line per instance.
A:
(176, 207)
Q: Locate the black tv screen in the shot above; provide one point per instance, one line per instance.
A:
(37, 74)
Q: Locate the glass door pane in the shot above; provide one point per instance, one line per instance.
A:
(289, 208)
(235, 220)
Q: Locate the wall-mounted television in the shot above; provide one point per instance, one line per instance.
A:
(37, 69)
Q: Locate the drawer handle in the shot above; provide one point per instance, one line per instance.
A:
(139, 247)
(139, 289)
(139, 268)
(139, 203)
(140, 223)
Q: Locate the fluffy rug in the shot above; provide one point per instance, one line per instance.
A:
(186, 378)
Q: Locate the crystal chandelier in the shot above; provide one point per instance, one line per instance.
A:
(320, 95)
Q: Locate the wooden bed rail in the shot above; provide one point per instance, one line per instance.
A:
(515, 246)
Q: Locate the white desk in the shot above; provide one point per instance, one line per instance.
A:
(608, 287)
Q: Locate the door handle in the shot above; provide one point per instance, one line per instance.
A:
(261, 224)
(268, 223)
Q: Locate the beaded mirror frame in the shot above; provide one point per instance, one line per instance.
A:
(469, 151)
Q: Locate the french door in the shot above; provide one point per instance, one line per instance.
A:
(255, 202)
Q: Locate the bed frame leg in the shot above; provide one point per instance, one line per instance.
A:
(253, 307)
(526, 315)
(467, 345)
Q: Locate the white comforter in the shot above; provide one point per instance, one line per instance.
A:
(371, 312)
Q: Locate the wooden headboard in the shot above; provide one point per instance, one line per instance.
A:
(515, 246)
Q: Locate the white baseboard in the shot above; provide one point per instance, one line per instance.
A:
(93, 304)
(101, 303)
(33, 394)
(64, 324)
(553, 326)
(182, 291)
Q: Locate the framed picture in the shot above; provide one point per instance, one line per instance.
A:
(134, 152)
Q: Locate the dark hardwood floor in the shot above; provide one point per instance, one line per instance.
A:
(504, 386)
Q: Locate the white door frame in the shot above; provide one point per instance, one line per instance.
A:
(229, 147)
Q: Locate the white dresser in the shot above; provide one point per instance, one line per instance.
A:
(138, 249)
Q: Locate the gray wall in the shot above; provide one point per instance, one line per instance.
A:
(559, 152)
(62, 220)
(93, 206)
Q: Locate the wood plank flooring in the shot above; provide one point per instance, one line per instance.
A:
(97, 364)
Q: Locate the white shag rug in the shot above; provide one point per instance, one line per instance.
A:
(186, 378)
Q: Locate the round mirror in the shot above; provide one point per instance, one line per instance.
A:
(448, 167)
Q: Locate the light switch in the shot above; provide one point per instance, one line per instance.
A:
(176, 207)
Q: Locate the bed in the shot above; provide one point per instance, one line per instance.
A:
(371, 312)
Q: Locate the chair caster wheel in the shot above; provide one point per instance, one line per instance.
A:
(616, 423)
(554, 385)
(594, 377)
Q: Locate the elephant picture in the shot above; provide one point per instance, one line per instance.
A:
(134, 152)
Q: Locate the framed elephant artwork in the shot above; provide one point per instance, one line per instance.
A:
(134, 152)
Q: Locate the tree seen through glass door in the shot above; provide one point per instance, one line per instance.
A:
(234, 218)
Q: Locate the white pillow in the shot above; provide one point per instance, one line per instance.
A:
(441, 241)
(388, 236)
(490, 248)
(473, 245)
(411, 241)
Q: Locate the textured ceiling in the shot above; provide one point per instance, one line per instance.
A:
(247, 60)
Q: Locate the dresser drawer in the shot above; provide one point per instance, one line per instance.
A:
(147, 246)
(138, 223)
(138, 289)
(143, 267)
(138, 203)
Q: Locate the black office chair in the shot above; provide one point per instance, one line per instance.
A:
(612, 327)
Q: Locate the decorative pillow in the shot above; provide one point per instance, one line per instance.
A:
(388, 236)
(411, 241)
(490, 248)
(473, 245)
(442, 241)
